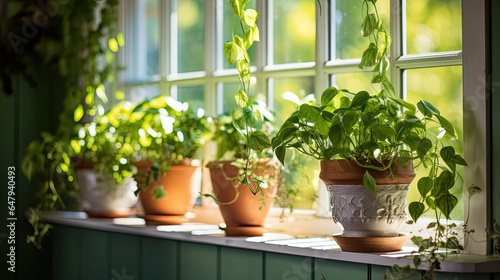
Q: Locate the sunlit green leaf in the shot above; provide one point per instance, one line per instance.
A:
(369, 25)
(258, 140)
(370, 183)
(309, 112)
(424, 146)
(425, 186)
(328, 95)
(251, 119)
(231, 51)
(416, 210)
(249, 17)
(159, 192)
(78, 114)
(447, 125)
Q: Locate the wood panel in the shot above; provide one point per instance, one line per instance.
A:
(339, 270)
(198, 261)
(159, 259)
(241, 264)
(125, 257)
(281, 266)
(95, 255)
(66, 263)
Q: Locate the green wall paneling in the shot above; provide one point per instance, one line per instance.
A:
(159, 259)
(198, 261)
(66, 253)
(288, 267)
(241, 264)
(462, 276)
(95, 254)
(338, 270)
(125, 256)
(377, 272)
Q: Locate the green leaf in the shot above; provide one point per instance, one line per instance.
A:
(238, 6)
(349, 120)
(416, 210)
(387, 86)
(243, 68)
(405, 104)
(248, 38)
(336, 135)
(447, 125)
(159, 192)
(424, 146)
(369, 24)
(427, 108)
(309, 112)
(78, 114)
(360, 99)
(231, 52)
(452, 243)
(329, 153)
(369, 57)
(322, 125)
(370, 183)
(255, 33)
(445, 181)
(417, 240)
(280, 154)
(431, 225)
(237, 119)
(328, 95)
(430, 202)
(385, 131)
(251, 119)
(239, 42)
(241, 98)
(287, 132)
(258, 140)
(425, 186)
(345, 102)
(446, 203)
(249, 17)
(473, 189)
(458, 159)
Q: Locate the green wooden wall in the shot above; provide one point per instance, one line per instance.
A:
(83, 254)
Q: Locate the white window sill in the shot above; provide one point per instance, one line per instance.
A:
(462, 263)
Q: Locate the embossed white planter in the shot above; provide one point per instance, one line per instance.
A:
(361, 215)
(356, 209)
(99, 193)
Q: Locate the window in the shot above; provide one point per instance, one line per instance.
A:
(174, 47)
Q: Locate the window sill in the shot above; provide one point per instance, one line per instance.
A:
(463, 263)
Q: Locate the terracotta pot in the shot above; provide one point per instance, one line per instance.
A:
(239, 207)
(101, 196)
(360, 213)
(180, 183)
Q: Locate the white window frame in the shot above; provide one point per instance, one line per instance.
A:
(474, 72)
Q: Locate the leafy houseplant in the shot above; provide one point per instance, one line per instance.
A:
(170, 135)
(102, 163)
(379, 133)
(243, 211)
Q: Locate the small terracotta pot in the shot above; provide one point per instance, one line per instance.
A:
(361, 214)
(242, 211)
(180, 184)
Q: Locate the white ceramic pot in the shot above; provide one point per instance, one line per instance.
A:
(361, 215)
(99, 193)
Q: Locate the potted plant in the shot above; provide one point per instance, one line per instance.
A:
(369, 145)
(170, 134)
(244, 207)
(102, 164)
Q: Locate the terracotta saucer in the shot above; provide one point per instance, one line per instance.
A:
(370, 244)
(110, 214)
(244, 231)
(164, 219)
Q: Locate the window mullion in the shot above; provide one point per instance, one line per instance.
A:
(263, 49)
(164, 50)
(398, 14)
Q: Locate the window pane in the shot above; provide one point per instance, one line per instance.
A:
(433, 26)
(227, 31)
(294, 31)
(139, 93)
(192, 94)
(355, 82)
(191, 36)
(229, 90)
(348, 42)
(442, 87)
(302, 172)
(142, 41)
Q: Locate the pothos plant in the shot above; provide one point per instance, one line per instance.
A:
(379, 130)
(247, 119)
(167, 132)
(78, 41)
